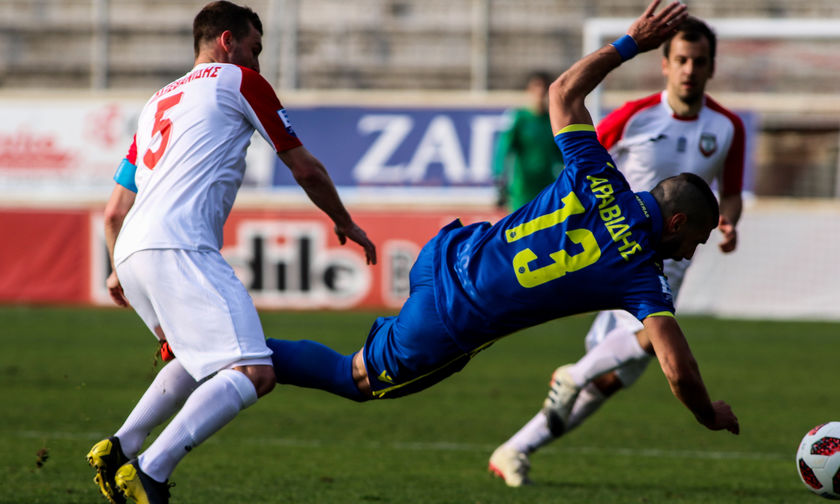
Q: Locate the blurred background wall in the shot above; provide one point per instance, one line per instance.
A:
(74, 74)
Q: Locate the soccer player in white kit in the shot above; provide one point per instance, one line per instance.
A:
(677, 130)
(186, 165)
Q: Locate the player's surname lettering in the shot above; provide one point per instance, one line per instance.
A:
(614, 221)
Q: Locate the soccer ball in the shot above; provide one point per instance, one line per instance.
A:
(818, 460)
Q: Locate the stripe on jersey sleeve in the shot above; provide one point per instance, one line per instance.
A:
(732, 179)
(261, 98)
(576, 127)
(611, 128)
(131, 156)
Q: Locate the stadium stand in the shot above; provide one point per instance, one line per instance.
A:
(365, 44)
(96, 60)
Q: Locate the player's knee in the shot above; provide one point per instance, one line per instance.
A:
(265, 381)
(360, 377)
(262, 377)
(608, 383)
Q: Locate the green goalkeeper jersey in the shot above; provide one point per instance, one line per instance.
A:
(526, 159)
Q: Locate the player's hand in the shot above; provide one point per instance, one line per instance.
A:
(115, 289)
(723, 419)
(652, 28)
(357, 234)
(730, 235)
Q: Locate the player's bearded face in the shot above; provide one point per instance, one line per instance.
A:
(681, 244)
(688, 68)
(246, 52)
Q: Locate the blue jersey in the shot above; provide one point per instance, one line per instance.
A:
(585, 243)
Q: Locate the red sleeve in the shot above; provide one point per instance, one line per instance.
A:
(131, 156)
(611, 128)
(269, 111)
(732, 179)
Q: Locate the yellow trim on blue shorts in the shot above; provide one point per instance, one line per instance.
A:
(576, 127)
(379, 393)
(662, 314)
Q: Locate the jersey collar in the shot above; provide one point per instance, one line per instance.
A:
(650, 208)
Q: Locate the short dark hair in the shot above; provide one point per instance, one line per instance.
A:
(692, 30)
(690, 194)
(217, 17)
(541, 76)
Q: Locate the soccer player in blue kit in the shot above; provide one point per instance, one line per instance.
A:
(586, 243)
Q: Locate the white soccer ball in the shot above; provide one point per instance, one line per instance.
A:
(818, 460)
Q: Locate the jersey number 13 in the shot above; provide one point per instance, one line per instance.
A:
(563, 262)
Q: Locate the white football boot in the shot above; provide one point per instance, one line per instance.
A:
(561, 397)
(510, 465)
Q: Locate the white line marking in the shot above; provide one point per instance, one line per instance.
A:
(445, 446)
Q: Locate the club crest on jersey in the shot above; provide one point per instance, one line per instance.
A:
(708, 144)
(286, 122)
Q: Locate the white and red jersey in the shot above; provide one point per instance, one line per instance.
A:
(190, 155)
(649, 143)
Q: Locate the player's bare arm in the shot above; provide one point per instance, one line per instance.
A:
(116, 209)
(311, 175)
(567, 93)
(683, 375)
(730, 213)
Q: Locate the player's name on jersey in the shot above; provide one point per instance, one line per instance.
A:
(613, 219)
(202, 73)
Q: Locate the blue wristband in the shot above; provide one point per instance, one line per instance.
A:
(626, 47)
(125, 175)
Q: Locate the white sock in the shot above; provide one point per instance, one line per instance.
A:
(165, 395)
(532, 435)
(620, 346)
(212, 405)
(535, 434)
(588, 401)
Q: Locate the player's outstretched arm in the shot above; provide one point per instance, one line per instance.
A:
(116, 209)
(566, 94)
(683, 375)
(311, 175)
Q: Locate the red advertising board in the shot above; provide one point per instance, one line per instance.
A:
(45, 256)
(288, 259)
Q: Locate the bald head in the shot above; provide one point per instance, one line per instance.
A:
(689, 212)
(689, 194)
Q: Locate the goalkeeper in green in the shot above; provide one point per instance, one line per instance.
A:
(526, 158)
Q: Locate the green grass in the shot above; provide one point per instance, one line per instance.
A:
(69, 376)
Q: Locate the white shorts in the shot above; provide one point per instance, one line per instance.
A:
(606, 321)
(204, 310)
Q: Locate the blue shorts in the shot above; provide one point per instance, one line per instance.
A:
(413, 351)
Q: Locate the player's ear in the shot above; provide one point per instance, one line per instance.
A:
(226, 40)
(677, 222)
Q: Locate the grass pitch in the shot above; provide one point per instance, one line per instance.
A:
(70, 376)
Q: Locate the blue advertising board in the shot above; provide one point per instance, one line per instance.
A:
(415, 147)
(399, 147)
